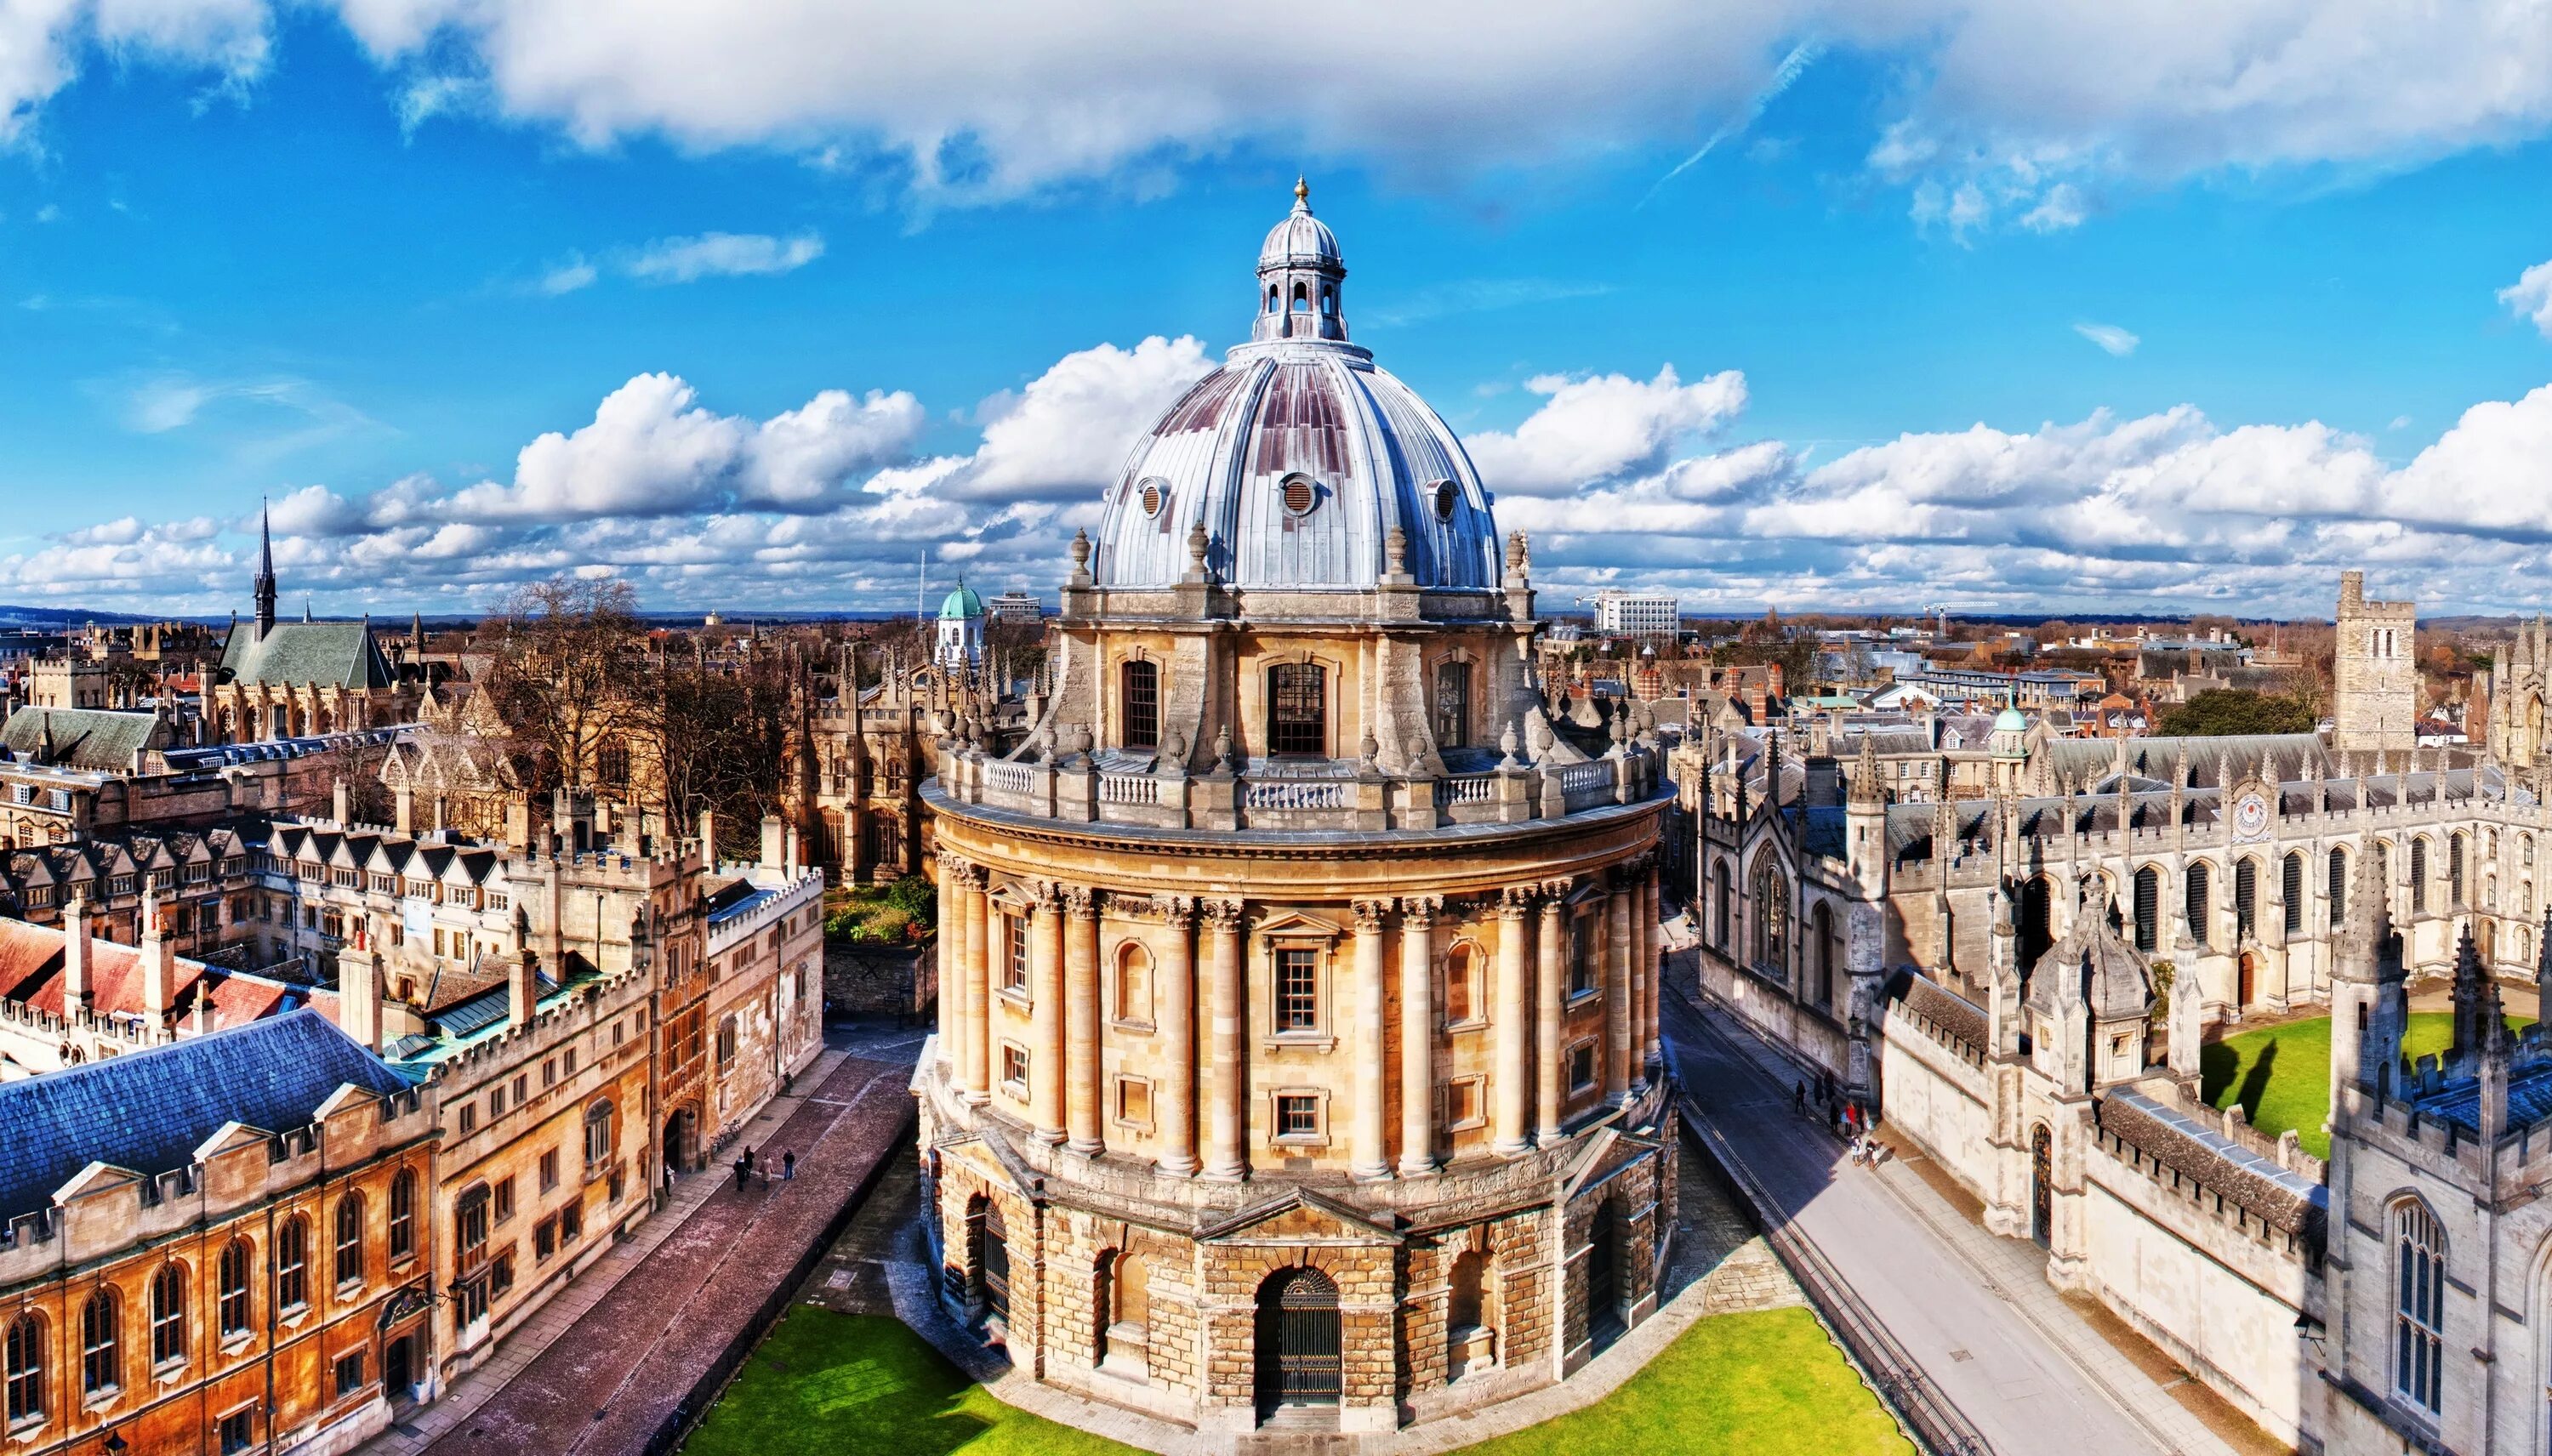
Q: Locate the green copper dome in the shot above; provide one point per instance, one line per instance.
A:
(961, 604)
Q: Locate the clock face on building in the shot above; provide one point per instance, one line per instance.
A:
(2250, 815)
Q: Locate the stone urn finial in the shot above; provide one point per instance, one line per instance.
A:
(1367, 748)
(1506, 745)
(1222, 745)
(1080, 558)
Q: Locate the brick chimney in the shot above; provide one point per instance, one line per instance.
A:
(403, 807)
(159, 961)
(359, 995)
(522, 988)
(76, 991)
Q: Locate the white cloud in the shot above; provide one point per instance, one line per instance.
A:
(1601, 427)
(2059, 209)
(2530, 297)
(567, 277)
(2116, 342)
(721, 254)
(1068, 431)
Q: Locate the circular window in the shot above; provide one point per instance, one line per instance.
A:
(1447, 495)
(1301, 494)
(1152, 494)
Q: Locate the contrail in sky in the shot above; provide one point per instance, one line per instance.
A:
(1801, 56)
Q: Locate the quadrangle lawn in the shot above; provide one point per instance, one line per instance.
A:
(2280, 1074)
(1753, 1382)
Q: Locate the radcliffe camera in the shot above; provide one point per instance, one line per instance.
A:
(777, 730)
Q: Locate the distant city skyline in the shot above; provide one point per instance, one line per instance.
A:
(1800, 305)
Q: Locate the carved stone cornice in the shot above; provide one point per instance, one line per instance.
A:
(1080, 901)
(1369, 915)
(1220, 914)
(1515, 901)
(1420, 910)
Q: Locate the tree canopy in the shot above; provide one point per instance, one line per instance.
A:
(2229, 710)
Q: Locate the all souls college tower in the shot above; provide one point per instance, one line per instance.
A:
(1298, 1056)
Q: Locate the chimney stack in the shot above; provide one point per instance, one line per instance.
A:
(75, 967)
(774, 848)
(358, 994)
(403, 807)
(342, 800)
(708, 837)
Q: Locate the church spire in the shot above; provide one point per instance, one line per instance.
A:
(264, 589)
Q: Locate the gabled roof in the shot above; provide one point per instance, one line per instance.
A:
(84, 738)
(327, 653)
(149, 1110)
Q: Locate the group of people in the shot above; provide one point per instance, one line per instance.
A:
(745, 1169)
(1844, 1118)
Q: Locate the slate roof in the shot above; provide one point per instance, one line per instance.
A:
(2529, 1099)
(338, 654)
(84, 738)
(149, 1110)
(1960, 1018)
(2281, 1198)
(31, 974)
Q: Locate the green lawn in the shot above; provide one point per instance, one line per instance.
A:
(836, 1384)
(2282, 1075)
(1766, 1380)
(1763, 1381)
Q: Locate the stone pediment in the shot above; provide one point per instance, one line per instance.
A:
(1300, 1213)
(96, 1178)
(1613, 1149)
(1296, 923)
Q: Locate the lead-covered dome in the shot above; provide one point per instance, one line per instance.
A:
(1298, 457)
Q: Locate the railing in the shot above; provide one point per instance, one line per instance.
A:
(1009, 778)
(1578, 777)
(1130, 789)
(1471, 788)
(1295, 794)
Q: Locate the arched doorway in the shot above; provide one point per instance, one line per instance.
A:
(399, 1368)
(679, 1154)
(2037, 923)
(1604, 1273)
(2041, 1180)
(2248, 968)
(991, 1261)
(1297, 1342)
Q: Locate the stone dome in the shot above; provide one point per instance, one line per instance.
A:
(1298, 457)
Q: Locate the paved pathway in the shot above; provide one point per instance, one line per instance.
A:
(645, 1323)
(1975, 1311)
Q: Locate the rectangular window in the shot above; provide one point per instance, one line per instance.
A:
(1297, 1114)
(1582, 1067)
(1015, 1065)
(1015, 966)
(469, 1119)
(571, 1220)
(504, 1199)
(1581, 954)
(549, 1170)
(568, 1058)
(543, 1240)
(238, 1430)
(1452, 715)
(1133, 1101)
(349, 1372)
(1142, 704)
(1462, 1103)
(1297, 1002)
(1297, 709)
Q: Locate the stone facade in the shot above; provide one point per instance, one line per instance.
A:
(1298, 1055)
(2375, 672)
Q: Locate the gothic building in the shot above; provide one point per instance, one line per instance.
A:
(294, 680)
(1297, 1052)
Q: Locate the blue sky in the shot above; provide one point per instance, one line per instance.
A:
(2189, 314)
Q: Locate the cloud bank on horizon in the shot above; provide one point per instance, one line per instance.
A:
(2006, 114)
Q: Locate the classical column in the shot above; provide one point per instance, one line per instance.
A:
(1514, 1024)
(1368, 1157)
(952, 968)
(1080, 1072)
(1045, 967)
(1644, 943)
(1227, 1159)
(1617, 990)
(1178, 1029)
(1418, 1035)
(980, 953)
(1553, 985)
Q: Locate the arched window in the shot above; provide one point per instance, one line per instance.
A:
(598, 1139)
(2148, 907)
(1769, 900)
(1275, 298)
(2455, 872)
(292, 1263)
(2290, 886)
(1298, 710)
(2196, 903)
(403, 1216)
(230, 1309)
(101, 1344)
(1133, 983)
(2246, 896)
(2037, 922)
(470, 1226)
(1828, 954)
(25, 1370)
(1329, 299)
(1453, 708)
(167, 1315)
(1138, 689)
(1124, 1305)
(726, 1041)
(2338, 887)
(1721, 878)
(349, 1239)
(1302, 298)
(2525, 851)
(2419, 877)
(1467, 1306)
(2419, 1306)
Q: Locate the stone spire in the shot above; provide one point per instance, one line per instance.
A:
(1866, 792)
(2475, 996)
(264, 586)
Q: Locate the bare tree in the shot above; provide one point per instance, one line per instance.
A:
(567, 648)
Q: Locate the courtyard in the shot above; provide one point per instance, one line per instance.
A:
(2280, 1074)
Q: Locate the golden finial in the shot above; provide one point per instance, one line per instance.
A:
(1302, 193)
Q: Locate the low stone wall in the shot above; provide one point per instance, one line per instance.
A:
(875, 981)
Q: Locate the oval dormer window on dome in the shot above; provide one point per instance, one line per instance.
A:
(1446, 495)
(1152, 494)
(1299, 495)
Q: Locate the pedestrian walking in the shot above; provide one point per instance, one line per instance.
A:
(743, 1173)
(788, 1164)
(1799, 1099)
(748, 1159)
